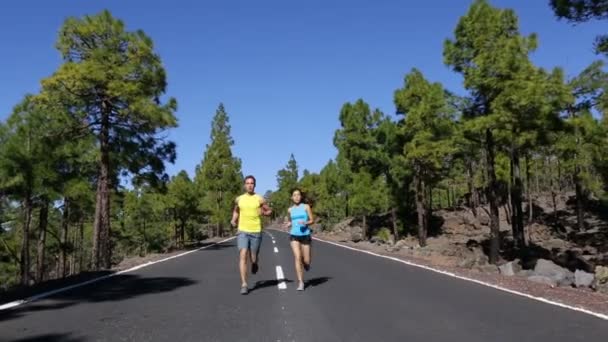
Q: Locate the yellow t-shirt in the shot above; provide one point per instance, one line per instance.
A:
(250, 219)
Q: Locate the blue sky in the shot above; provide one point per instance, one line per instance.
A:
(282, 69)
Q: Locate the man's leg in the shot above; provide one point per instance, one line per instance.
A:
(243, 245)
(255, 241)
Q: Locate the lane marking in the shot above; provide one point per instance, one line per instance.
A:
(67, 288)
(276, 250)
(281, 278)
(497, 287)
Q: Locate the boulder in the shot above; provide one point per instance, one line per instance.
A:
(601, 279)
(560, 275)
(543, 280)
(510, 268)
(583, 279)
(356, 234)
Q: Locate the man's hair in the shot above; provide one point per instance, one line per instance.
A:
(250, 177)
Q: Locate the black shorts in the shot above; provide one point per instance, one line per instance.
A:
(303, 239)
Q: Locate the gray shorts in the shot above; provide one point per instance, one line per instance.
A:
(250, 241)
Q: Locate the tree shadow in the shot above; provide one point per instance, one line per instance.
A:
(435, 226)
(117, 288)
(51, 338)
(316, 281)
(217, 247)
(20, 292)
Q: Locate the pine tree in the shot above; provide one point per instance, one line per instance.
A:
(219, 178)
(111, 81)
(427, 128)
(287, 181)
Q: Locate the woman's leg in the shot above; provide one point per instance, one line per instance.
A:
(297, 253)
(306, 254)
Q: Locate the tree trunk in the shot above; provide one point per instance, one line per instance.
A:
(64, 238)
(144, 247)
(517, 222)
(507, 206)
(364, 227)
(182, 233)
(528, 192)
(536, 178)
(101, 228)
(81, 245)
(430, 197)
(72, 257)
(559, 175)
(447, 192)
(394, 221)
(420, 209)
(25, 244)
(493, 199)
(578, 185)
(42, 227)
(471, 189)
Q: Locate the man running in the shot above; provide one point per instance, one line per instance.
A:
(248, 209)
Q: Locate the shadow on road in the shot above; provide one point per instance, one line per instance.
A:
(268, 283)
(216, 247)
(51, 338)
(274, 282)
(117, 288)
(316, 281)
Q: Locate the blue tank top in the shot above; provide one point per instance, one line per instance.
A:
(298, 213)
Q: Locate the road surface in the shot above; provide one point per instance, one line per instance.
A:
(350, 296)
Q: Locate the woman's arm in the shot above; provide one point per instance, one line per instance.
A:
(311, 218)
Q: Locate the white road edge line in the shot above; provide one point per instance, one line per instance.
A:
(281, 278)
(540, 299)
(63, 289)
(276, 250)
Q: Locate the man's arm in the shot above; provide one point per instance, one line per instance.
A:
(235, 214)
(266, 210)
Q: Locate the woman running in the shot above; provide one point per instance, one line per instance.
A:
(300, 217)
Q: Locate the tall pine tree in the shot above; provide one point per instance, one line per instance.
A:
(112, 81)
(427, 128)
(219, 177)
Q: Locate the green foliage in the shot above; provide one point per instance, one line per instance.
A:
(356, 139)
(427, 126)
(218, 178)
(113, 77)
(287, 181)
(146, 228)
(384, 234)
(368, 195)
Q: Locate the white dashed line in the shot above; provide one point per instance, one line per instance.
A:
(281, 278)
(276, 250)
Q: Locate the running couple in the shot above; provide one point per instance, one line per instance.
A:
(247, 216)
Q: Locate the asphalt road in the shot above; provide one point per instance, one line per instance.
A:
(350, 296)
